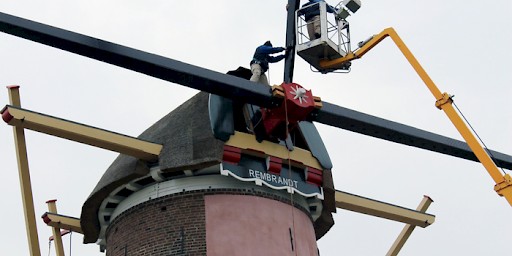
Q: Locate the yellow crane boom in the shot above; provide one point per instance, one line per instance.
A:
(443, 101)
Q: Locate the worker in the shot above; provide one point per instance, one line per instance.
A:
(260, 60)
(312, 17)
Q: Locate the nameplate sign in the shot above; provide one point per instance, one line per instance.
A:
(291, 181)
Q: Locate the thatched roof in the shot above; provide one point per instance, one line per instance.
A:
(188, 143)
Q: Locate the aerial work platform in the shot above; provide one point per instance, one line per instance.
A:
(333, 41)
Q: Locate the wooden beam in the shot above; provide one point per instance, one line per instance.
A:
(61, 221)
(407, 230)
(249, 142)
(24, 173)
(372, 207)
(59, 248)
(93, 136)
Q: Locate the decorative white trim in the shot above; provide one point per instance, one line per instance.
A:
(259, 182)
(156, 173)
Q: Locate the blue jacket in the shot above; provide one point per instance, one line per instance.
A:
(262, 56)
(309, 13)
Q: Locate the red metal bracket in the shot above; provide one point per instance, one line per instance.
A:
(314, 176)
(274, 165)
(232, 155)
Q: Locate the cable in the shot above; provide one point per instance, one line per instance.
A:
(476, 134)
(49, 247)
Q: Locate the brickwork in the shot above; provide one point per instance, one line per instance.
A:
(173, 225)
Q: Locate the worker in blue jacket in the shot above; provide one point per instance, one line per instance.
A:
(312, 17)
(260, 60)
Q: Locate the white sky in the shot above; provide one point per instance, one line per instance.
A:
(463, 45)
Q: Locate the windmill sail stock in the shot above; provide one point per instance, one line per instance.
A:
(233, 87)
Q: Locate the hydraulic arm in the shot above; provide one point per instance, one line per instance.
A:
(443, 101)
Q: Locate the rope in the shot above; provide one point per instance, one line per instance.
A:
(50, 244)
(294, 248)
(293, 206)
(476, 134)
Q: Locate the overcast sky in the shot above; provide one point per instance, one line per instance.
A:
(463, 45)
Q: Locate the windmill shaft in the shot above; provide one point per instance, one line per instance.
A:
(351, 120)
(150, 64)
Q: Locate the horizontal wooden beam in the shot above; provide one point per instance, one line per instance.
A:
(62, 222)
(81, 133)
(249, 142)
(388, 211)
